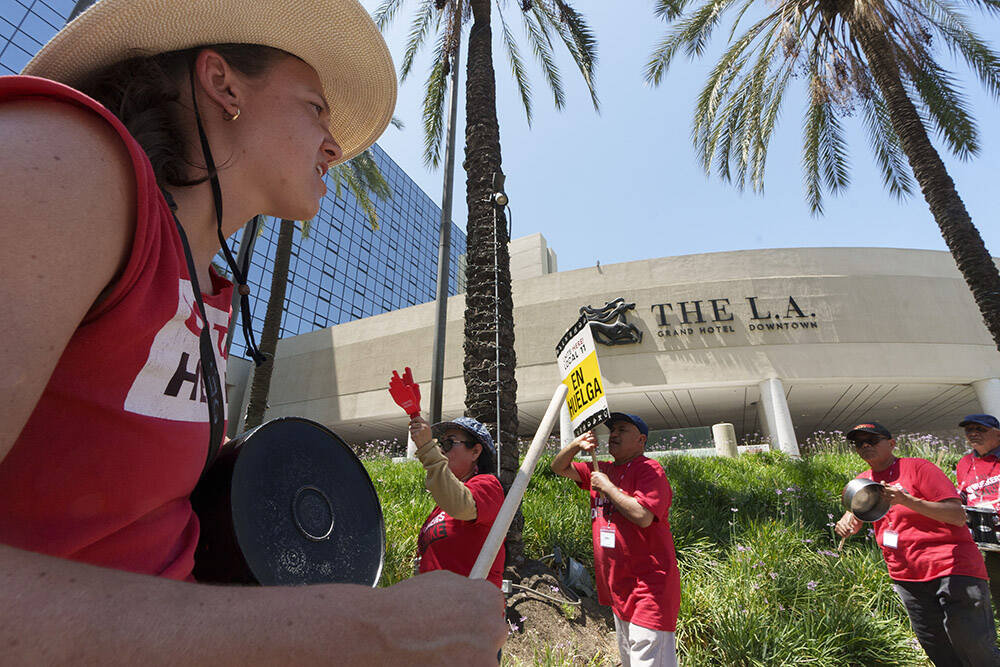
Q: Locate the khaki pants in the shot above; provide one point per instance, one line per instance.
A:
(642, 647)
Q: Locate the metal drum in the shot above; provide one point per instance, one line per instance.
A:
(288, 503)
(983, 523)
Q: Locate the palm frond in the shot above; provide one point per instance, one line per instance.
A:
(825, 148)
(668, 10)
(691, 33)
(756, 98)
(884, 142)
(747, 4)
(956, 33)
(947, 108)
(361, 176)
(706, 130)
(988, 6)
(386, 12)
(578, 38)
(727, 131)
(811, 156)
(419, 28)
(715, 96)
(541, 44)
(517, 68)
(775, 94)
(433, 111)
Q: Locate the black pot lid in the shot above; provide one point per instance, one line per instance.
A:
(304, 508)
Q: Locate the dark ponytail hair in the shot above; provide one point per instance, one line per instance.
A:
(144, 92)
(486, 462)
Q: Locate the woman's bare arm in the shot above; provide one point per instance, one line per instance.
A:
(54, 611)
(67, 205)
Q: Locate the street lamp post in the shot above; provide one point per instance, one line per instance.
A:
(444, 236)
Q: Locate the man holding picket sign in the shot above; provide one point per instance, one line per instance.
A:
(630, 498)
(634, 556)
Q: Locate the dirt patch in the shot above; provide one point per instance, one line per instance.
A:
(545, 631)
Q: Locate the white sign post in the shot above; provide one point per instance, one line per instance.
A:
(580, 372)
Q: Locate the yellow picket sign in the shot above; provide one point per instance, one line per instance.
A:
(584, 384)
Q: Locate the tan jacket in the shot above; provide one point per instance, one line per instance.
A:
(449, 492)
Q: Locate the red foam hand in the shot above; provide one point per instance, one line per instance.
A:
(408, 379)
(405, 392)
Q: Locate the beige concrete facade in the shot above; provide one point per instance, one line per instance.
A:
(844, 333)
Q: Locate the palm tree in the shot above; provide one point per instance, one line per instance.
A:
(361, 176)
(875, 56)
(489, 321)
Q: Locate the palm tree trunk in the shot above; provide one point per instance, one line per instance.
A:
(963, 239)
(261, 385)
(486, 235)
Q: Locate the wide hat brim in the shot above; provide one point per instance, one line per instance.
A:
(336, 37)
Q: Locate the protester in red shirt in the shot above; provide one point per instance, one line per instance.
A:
(110, 212)
(634, 557)
(934, 564)
(978, 476)
(460, 462)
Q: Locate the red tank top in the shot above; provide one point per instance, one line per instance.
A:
(102, 471)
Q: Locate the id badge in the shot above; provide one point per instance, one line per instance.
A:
(608, 537)
(890, 539)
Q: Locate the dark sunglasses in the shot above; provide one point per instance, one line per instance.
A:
(869, 441)
(447, 443)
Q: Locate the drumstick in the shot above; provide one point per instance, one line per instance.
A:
(842, 540)
(506, 514)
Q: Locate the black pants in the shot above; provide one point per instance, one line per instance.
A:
(952, 619)
(993, 570)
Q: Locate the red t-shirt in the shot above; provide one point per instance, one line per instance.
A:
(979, 480)
(102, 471)
(926, 548)
(446, 543)
(638, 575)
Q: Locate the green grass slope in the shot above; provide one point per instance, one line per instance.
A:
(762, 580)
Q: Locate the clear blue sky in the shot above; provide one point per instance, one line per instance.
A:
(624, 184)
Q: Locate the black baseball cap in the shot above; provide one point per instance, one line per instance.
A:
(869, 427)
(989, 421)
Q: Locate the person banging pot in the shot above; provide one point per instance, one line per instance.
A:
(934, 565)
(459, 458)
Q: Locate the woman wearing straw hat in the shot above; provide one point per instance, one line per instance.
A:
(460, 462)
(207, 113)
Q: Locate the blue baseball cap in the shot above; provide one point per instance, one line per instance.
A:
(632, 419)
(989, 421)
(487, 460)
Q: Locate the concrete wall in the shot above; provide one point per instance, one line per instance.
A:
(882, 317)
(530, 257)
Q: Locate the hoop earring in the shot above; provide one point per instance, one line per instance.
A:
(232, 116)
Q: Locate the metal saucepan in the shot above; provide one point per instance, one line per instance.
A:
(864, 499)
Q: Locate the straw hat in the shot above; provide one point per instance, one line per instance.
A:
(336, 37)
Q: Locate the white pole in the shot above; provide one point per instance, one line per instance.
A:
(510, 504)
(411, 447)
(778, 416)
(988, 393)
(565, 426)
